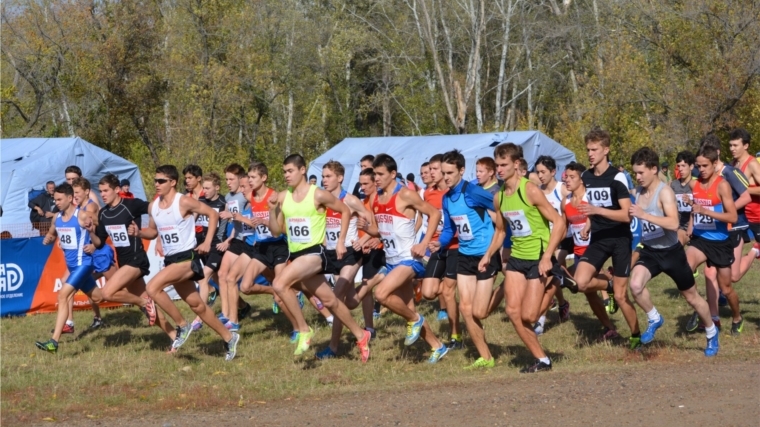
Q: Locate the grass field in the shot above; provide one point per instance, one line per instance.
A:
(124, 368)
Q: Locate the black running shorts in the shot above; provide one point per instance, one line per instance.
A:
(600, 250)
(442, 264)
(467, 265)
(671, 261)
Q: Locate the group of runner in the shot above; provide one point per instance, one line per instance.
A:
(451, 236)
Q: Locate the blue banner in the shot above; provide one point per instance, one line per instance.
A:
(22, 262)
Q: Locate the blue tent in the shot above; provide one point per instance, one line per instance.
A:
(411, 151)
(28, 163)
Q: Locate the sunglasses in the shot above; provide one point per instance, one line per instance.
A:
(160, 180)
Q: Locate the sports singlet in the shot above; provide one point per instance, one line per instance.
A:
(473, 224)
(652, 235)
(304, 225)
(332, 228)
(177, 233)
(684, 210)
(493, 188)
(752, 210)
(103, 249)
(555, 199)
(236, 203)
(114, 222)
(435, 198)
(530, 230)
(202, 220)
(396, 230)
(72, 238)
(261, 210)
(704, 226)
(367, 205)
(576, 221)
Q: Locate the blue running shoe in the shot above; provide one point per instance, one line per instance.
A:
(413, 330)
(648, 335)
(326, 353)
(222, 318)
(438, 354)
(234, 327)
(443, 315)
(375, 315)
(722, 300)
(712, 346)
(301, 299)
(294, 337)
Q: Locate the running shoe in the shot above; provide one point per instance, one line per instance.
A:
(375, 315)
(67, 329)
(183, 333)
(634, 343)
(608, 335)
(613, 307)
(212, 297)
(97, 323)
(536, 367)
(481, 363)
(418, 292)
(275, 307)
(232, 346)
(712, 346)
(722, 300)
(294, 337)
(413, 330)
(196, 325)
(564, 312)
(150, 311)
(325, 353)
(701, 327)
(438, 354)
(693, 323)
(456, 344)
(50, 345)
(606, 303)
(652, 327)
(329, 319)
(737, 327)
(320, 306)
(244, 312)
(567, 281)
(442, 315)
(538, 328)
(554, 306)
(363, 345)
(301, 299)
(234, 327)
(304, 341)
(222, 318)
(756, 248)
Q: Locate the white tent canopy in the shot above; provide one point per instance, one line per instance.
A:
(28, 163)
(411, 151)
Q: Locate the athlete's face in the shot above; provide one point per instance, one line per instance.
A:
(483, 174)
(233, 181)
(367, 184)
(62, 201)
(384, 178)
(644, 175)
(684, 169)
(706, 167)
(737, 148)
(191, 181)
(366, 164)
(597, 153)
(330, 180)
(163, 184)
(256, 181)
(425, 175)
(209, 189)
(573, 180)
(81, 195)
(294, 174)
(506, 167)
(545, 175)
(125, 188)
(70, 177)
(245, 186)
(435, 172)
(107, 193)
(451, 174)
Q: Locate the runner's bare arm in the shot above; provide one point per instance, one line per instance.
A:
(86, 222)
(150, 232)
(538, 199)
(276, 219)
(497, 241)
(753, 173)
(326, 199)
(192, 205)
(358, 209)
(50, 235)
(414, 201)
(668, 203)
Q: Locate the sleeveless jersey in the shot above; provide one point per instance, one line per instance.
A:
(752, 210)
(177, 233)
(473, 224)
(555, 199)
(236, 203)
(575, 223)
(704, 226)
(104, 249)
(261, 210)
(304, 225)
(72, 238)
(530, 230)
(202, 220)
(435, 198)
(652, 235)
(396, 230)
(367, 205)
(684, 210)
(332, 228)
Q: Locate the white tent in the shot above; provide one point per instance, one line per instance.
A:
(411, 151)
(28, 163)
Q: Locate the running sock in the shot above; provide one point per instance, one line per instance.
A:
(653, 315)
(545, 360)
(70, 323)
(370, 330)
(542, 320)
(329, 319)
(711, 331)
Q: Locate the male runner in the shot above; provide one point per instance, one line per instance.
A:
(524, 206)
(656, 208)
(373, 256)
(364, 163)
(681, 187)
(738, 143)
(74, 228)
(172, 218)
(424, 175)
(468, 212)
(485, 172)
(193, 176)
(395, 212)
(608, 206)
(300, 212)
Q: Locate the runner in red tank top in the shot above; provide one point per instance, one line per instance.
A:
(739, 147)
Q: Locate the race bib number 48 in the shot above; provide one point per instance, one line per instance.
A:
(600, 196)
(67, 237)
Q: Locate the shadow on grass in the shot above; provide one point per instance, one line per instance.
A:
(132, 318)
(214, 348)
(673, 293)
(589, 328)
(522, 357)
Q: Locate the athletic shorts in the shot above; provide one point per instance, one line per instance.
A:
(138, 260)
(80, 277)
(467, 265)
(103, 259)
(683, 220)
(271, 254)
(372, 262)
(671, 261)
(442, 264)
(237, 247)
(567, 245)
(529, 268)
(617, 248)
(316, 250)
(738, 237)
(213, 259)
(334, 265)
(719, 253)
(755, 228)
(187, 256)
(417, 267)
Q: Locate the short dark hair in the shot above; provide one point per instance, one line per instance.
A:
(65, 188)
(509, 149)
(410, 177)
(575, 167)
(367, 158)
(709, 152)
(236, 169)
(685, 156)
(169, 171)
(386, 161)
(710, 140)
(645, 156)
(740, 133)
(73, 169)
(437, 158)
(547, 161)
(425, 164)
(260, 168)
(599, 135)
(49, 182)
(453, 157)
(111, 180)
(368, 172)
(193, 170)
(296, 160)
(124, 182)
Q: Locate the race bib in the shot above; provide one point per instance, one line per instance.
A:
(440, 222)
(118, 234)
(576, 229)
(68, 237)
(299, 229)
(245, 229)
(233, 206)
(332, 233)
(385, 227)
(261, 229)
(650, 231)
(518, 223)
(202, 220)
(169, 238)
(682, 207)
(704, 222)
(463, 227)
(601, 196)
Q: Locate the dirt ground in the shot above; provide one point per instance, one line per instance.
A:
(704, 394)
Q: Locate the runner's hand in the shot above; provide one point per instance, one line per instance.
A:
(483, 264)
(88, 248)
(587, 209)
(222, 247)
(418, 250)
(434, 246)
(225, 214)
(133, 230)
(361, 223)
(272, 202)
(48, 239)
(586, 232)
(357, 245)
(203, 248)
(159, 248)
(545, 265)
(340, 250)
(636, 211)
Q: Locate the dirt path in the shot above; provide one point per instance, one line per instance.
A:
(653, 395)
